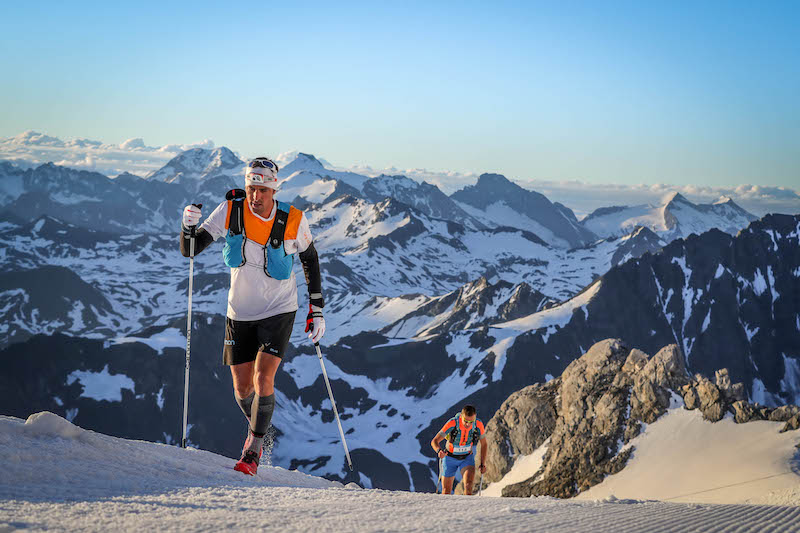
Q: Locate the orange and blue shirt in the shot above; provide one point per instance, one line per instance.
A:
(461, 444)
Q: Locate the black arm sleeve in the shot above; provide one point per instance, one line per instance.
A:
(201, 241)
(310, 261)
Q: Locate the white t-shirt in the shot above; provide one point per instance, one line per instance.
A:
(254, 295)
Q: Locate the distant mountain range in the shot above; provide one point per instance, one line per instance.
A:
(433, 300)
(677, 218)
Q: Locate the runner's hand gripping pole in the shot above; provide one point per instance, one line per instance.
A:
(192, 234)
(333, 404)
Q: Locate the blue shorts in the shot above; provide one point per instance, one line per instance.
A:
(453, 465)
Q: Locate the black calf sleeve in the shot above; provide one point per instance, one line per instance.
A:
(246, 404)
(261, 413)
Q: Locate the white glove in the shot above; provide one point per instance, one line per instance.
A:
(315, 324)
(191, 216)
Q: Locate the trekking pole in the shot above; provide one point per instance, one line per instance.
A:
(188, 334)
(440, 482)
(333, 404)
(480, 487)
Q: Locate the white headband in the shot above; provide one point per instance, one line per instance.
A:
(261, 176)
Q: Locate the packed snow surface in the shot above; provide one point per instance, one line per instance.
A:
(683, 458)
(86, 481)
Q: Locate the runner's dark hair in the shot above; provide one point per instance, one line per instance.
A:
(468, 410)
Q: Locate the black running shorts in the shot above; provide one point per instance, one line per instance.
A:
(243, 340)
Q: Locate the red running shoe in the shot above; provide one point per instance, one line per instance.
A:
(248, 464)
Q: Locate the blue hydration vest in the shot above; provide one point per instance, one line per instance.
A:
(277, 263)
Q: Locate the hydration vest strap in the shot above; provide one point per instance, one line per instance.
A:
(453, 431)
(279, 225)
(236, 219)
(233, 252)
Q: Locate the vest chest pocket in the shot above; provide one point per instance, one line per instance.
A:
(232, 253)
(278, 263)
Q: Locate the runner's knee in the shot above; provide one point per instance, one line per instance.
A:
(243, 389)
(264, 383)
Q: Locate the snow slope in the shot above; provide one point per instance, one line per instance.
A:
(90, 482)
(683, 458)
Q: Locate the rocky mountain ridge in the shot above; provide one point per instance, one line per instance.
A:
(588, 415)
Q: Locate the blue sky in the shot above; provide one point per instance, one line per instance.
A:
(604, 92)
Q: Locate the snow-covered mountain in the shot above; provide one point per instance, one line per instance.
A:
(308, 164)
(676, 218)
(199, 169)
(497, 201)
(425, 197)
(424, 309)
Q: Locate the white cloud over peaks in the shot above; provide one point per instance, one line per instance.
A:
(207, 144)
(583, 198)
(32, 148)
(34, 138)
(133, 144)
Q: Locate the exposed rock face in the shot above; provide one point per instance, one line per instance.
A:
(716, 399)
(592, 411)
(744, 412)
(596, 407)
(792, 423)
(784, 413)
(520, 426)
(652, 384)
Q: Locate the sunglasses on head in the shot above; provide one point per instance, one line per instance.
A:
(263, 163)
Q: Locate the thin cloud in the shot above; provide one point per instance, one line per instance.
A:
(583, 198)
